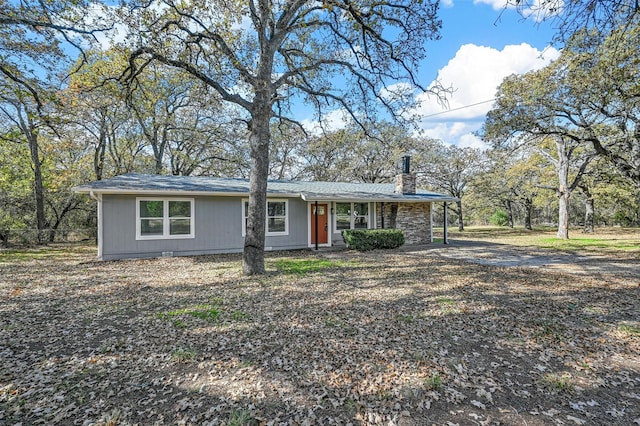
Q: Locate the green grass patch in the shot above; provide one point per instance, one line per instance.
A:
(604, 240)
(433, 383)
(583, 243)
(183, 355)
(64, 252)
(241, 418)
(212, 312)
(239, 315)
(306, 266)
(558, 383)
(549, 329)
(629, 329)
(405, 318)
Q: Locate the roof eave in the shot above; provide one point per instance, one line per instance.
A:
(174, 192)
(376, 199)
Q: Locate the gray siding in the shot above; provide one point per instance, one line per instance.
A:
(218, 229)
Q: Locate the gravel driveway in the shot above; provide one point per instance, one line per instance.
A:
(505, 255)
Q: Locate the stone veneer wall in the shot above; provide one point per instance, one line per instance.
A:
(405, 184)
(414, 219)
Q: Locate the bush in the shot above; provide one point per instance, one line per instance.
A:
(500, 218)
(371, 239)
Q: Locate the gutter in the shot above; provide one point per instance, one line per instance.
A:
(305, 197)
(160, 192)
(379, 199)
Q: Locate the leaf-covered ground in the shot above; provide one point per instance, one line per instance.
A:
(329, 338)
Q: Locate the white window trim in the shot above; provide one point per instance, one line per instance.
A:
(369, 215)
(165, 219)
(266, 217)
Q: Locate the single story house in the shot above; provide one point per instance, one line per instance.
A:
(151, 215)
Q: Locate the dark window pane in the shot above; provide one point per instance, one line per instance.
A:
(151, 227)
(151, 208)
(276, 208)
(343, 221)
(343, 208)
(360, 223)
(276, 225)
(361, 215)
(179, 209)
(361, 209)
(180, 226)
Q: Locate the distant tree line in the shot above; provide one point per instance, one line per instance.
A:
(565, 140)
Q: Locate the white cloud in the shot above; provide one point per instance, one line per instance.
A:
(475, 73)
(495, 4)
(245, 24)
(333, 120)
(446, 3)
(469, 140)
(454, 133)
(538, 10)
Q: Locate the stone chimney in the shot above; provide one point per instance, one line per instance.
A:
(405, 181)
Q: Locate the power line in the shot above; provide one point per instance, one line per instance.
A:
(457, 109)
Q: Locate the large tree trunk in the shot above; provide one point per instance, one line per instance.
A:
(38, 188)
(563, 190)
(459, 213)
(563, 212)
(528, 212)
(508, 205)
(253, 255)
(588, 209)
(30, 132)
(101, 148)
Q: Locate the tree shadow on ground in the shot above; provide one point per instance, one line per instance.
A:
(407, 340)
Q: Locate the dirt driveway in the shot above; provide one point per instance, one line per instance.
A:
(505, 255)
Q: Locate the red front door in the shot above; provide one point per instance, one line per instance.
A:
(322, 224)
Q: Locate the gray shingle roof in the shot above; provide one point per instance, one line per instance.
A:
(311, 191)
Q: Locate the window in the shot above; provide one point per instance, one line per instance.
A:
(351, 216)
(164, 218)
(151, 218)
(343, 216)
(361, 215)
(277, 217)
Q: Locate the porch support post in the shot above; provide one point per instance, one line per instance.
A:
(446, 231)
(316, 210)
(431, 222)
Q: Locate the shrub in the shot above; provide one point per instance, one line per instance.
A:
(500, 218)
(370, 239)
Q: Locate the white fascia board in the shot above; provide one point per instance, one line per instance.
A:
(178, 193)
(328, 198)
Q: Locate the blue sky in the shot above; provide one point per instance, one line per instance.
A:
(480, 45)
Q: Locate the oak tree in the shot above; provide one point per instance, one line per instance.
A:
(263, 57)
